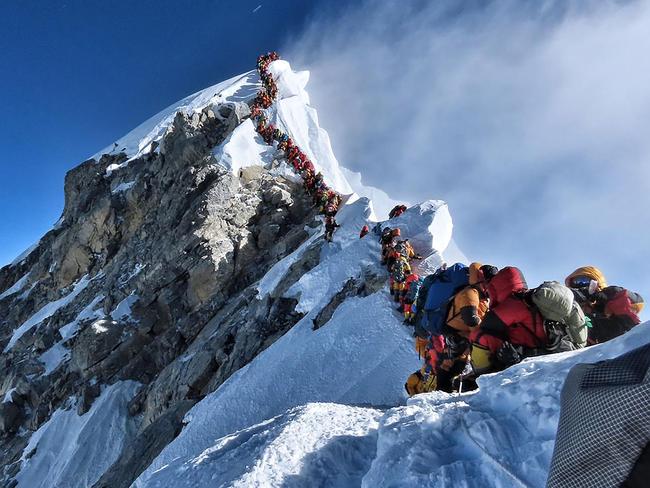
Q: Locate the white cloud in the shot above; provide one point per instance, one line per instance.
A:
(530, 118)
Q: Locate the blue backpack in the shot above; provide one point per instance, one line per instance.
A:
(445, 284)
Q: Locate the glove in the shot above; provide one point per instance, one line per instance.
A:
(508, 355)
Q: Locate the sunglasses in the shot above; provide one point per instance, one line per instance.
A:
(580, 282)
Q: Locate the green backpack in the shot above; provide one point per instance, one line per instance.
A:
(556, 303)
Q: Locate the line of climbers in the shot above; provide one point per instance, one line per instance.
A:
(468, 320)
(323, 196)
(477, 319)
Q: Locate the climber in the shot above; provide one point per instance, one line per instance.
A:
(364, 231)
(470, 305)
(385, 236)
(613, 310)
(318, 179)
(330, 209)
(323, 201)
(330, 227)
(511, 330)
(417, 318)
(399, 270)
(405, 249)
(409, 292)
(397, 211)
(387, 239)
(410, 298)
(442, 286)
(564, 321)
(466, 310)
(424, 380)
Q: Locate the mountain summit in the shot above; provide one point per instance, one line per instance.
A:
(186, 324)
(184, 250)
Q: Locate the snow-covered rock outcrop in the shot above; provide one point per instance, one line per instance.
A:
(185, 250)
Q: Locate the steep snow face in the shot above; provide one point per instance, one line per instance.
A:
(293, 115)
(362, 355)
(243, 148)
(72, 450)
(240, 88)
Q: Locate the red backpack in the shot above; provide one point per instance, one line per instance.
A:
(622, 304)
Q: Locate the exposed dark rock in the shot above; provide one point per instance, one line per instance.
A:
(88, 394)
(150, 276)
(145, 447)
(10, 417)
(363, 286)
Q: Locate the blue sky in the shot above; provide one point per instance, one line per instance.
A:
(529, 118)
(77, 75)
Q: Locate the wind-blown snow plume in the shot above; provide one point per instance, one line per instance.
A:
(529, 118)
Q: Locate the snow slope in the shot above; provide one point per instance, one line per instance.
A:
(16, 287)
(337, 441)
(499, 436)
(73, 451)
(361, 356)
(138, 142)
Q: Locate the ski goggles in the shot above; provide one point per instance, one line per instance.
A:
(580, 282)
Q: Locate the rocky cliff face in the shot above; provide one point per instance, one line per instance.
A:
(147, 277)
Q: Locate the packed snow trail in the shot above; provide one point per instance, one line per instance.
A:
(337, 441)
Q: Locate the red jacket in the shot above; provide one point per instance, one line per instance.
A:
(510, 318)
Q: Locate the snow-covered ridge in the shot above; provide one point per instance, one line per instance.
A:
(136, 143)
(360, 356)
(291, 113)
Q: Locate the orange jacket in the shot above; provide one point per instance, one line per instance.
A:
(469, 305)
